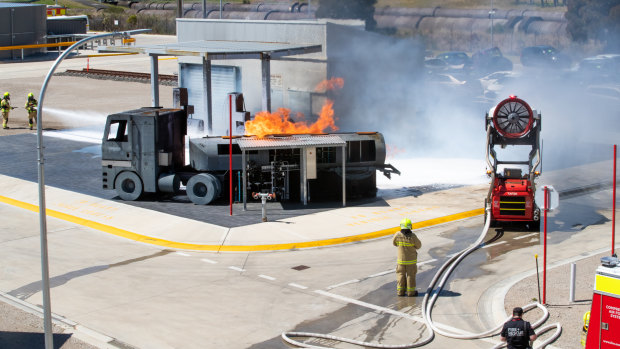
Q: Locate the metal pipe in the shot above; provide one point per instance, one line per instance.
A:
(573, 273)
(230, 136)
(304, 176)
(47, 311)
(206, 80)
(613, 212)
(344, 176)
(266, 80)
(155, 81)
(544, 297)
(245, 191)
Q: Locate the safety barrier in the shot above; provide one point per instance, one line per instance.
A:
(23, 47)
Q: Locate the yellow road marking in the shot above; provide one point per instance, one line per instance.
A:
(235, 248)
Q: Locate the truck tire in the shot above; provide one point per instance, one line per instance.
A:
(201, 189)
(128, 186)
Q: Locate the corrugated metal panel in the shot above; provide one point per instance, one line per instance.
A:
(224, 79)
(306, 32)
(294, 141)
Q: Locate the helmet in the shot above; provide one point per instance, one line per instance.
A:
(405, 223)
(7, 95)
(30, 95)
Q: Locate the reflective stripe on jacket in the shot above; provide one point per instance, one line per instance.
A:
(5, 105)
(407, 244)
(31, 106)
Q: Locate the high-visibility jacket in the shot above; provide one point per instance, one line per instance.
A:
(408, 245)
(31, 105)
(5, 105)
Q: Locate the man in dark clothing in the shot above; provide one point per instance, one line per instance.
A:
(517, 332)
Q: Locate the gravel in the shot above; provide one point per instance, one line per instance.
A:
(21, 329)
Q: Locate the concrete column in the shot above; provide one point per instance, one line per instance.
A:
(265, 61)
(155, 80)
(206, 78)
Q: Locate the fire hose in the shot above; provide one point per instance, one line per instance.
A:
(434, 289)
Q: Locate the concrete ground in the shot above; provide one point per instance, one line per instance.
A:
(126, 276)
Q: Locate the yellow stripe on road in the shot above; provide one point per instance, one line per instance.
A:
(235, 248)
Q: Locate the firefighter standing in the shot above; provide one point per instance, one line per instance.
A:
(31, 109)
(517, 332)
(5, 106)
(406, 268)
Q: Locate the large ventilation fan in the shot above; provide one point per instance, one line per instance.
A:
(513, 118)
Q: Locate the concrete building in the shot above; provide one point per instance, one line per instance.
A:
(22, 24)
(292, 78)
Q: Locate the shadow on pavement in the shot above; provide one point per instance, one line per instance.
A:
(14, 340)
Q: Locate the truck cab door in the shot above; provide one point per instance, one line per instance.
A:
(117, 140)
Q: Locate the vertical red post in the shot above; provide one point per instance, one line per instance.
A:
(230, 134)
(544, 296)
(613, 212)
(87, 63)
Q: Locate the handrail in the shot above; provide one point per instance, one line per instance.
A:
(20, 47)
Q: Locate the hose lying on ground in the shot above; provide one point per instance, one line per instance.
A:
(427, 306)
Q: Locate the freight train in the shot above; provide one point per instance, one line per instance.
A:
(144, 151)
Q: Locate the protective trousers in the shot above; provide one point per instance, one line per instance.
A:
(32, 118)
(405, 278)
(5, 119)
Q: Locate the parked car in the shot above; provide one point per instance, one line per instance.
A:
(609, 92)
(494, 83)
(544, 56)
(455, 59)
(604, 68)
(448, 82)
(489, 61)
(434, 65)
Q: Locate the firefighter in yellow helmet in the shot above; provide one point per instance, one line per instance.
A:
(406, 267)
(584, 332)
(31, 109)
(5, 107)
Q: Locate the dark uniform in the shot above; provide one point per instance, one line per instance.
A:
(517, 333)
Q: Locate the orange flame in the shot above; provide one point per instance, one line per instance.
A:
(328, 85)
(279, 122)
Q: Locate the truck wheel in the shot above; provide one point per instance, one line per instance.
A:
(218, 185)
(201, 189)
(128, 186)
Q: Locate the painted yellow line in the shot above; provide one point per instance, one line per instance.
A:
(235, 248)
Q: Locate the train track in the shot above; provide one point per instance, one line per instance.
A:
(164, 79)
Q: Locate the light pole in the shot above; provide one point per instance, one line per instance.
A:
(45, 276)
(491, 13)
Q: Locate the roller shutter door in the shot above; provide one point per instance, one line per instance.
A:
(224, 79)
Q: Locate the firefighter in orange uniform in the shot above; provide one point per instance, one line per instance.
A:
(406, 268)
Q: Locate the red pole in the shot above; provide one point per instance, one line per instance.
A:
(613, 214)
(544, 297)
(230, 133)
(87, 63)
